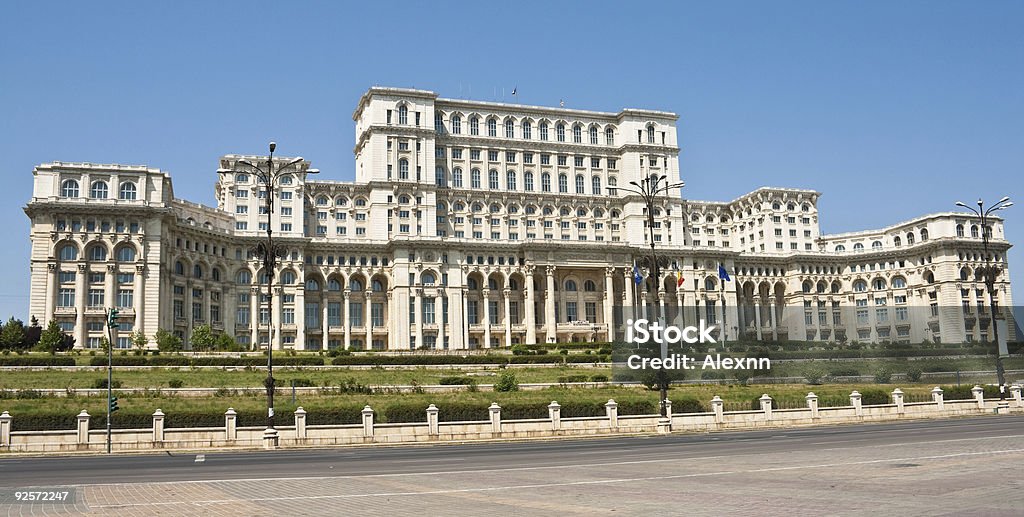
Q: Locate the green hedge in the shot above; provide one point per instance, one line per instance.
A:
(421, 360)
(180, 360)
(963, 392)
(37, 360)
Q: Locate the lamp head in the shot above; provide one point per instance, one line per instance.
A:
(1005, 199)
(961, 203)
(273, 146)
(980, 202)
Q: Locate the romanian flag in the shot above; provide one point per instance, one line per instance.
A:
(679, 278)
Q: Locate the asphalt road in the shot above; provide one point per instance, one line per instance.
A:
(791, 471)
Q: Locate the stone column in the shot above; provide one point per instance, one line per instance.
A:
(508, 317)
(158, 426)
(432, 429)
(5, 429)
(855, 401)
(979, 396)
(417, 309)
(495, 410)
(549, 306)
(611, 409)
(368, 319)
(52, 280)
(812, 403)
(717, 406)
(254, 317)
(83, 428)
(439, 309)
(487, 317)
(139, 297)
(300, 423)
(938, 399)
(897, 398)
(367, 414)
(609, 303)
(346, 318)
(757, 318)
(81, 292)
(325, 327)
(230, 425)
(530, 319)
(629, 300)
(300, 315)
(555, 414)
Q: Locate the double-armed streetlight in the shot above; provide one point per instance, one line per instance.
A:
(269, 175)
(649, 189)
(990, 273)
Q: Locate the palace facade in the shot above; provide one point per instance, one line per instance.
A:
(477, 224)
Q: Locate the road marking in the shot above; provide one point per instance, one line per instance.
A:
(200, 458)
(568, 483)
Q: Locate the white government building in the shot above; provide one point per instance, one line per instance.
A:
(480, 224)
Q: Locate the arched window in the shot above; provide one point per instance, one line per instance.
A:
(593, 135)
(179, 268)
(929, 277)
(97, 253)
(858, 247)
(776, 206)
(580, 185)
(321, 201)
(545, 182)
(333, 284)
(355, 285)
(98, 190)
(471, 284)
(570, 285)
(403, 169)
(428, 278)
(288, 277)
(589, 286)
(581, 212)
(492, 179)
(69, 188)
(910, 238)
(527, 130)
(286, 180)
(341, 201)
(595, 185)
(474, 179)
(544, 131)
(650, 134)
(836, 287)
(598, 212)
(612, 182)
(560, 132)
(840, 248)
(377, 286)
(312, 285)
(241, 177)
(609, 136)
(509, 129)
(68, 252)
(563, 183)
(965, 274)
(876, 245)
(126, 254)
(244, 277)
(492, 127)
(860, 286)
(456, 125)
(457, 177)
(127, 192)
(974, 231)
(528, 181)
(474, 126)
(959, 230)
(361, 202)
(577, 134)
(821, 288)
(806, 286)
(878, 284)
(899, 282)
(403, 114)
(197, 271)
(924, 234)
(510, 180)
(491, 284)
(215, 274)
(897, 241)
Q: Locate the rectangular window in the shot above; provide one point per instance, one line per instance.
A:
(66, 297)
(570, 311)
(312, 315)
(377, 314)
(591, 310)
(428, 310)
(333, 314)
(472, 314)
(492, 312)
(95, 298)
(124, 297)
(355, 314)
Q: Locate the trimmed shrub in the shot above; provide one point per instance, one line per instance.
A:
(175, 383)
(101, 383)
(874, 397)
(599, 378)
(30, 360)
(456, 381)
(506, 382)
(689, 405)
(572, 378)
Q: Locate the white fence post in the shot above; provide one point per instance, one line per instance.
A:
(1015, 391)
(231, 424)
(938, 399)
(611, 409)
(897, 398)
(555, 413)
(495, 410)
(367, 421)
(158, 426)
(83, 427)
(717, 405)
(432, 420)
(300, 423)
(766, 406)
(855, 401)
(812, 402)
(5, 429)
(979, 395)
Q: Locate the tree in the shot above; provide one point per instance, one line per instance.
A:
(202, 338)
(139, 340)
(52, 339)
(507, 382)
(226, 343)
(13, 334)
(167, 341)
(33, 333)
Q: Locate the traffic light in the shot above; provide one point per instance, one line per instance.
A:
(113, 404)
(112, 319)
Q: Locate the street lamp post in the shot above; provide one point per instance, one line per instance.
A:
(649, 189)
(990, 273)
(269, 176)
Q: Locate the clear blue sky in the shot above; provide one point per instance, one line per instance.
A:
(891, 109)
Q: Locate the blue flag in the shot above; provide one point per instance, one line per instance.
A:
(637, 277)
(723, 274)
